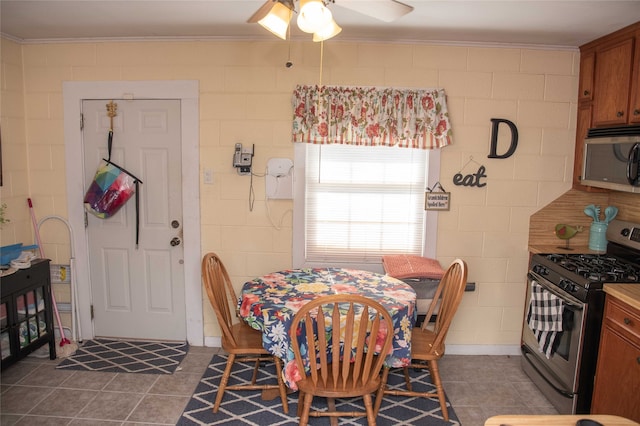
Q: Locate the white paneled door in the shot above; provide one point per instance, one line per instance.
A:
(138, 291)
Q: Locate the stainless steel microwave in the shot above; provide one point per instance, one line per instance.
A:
(612, 160)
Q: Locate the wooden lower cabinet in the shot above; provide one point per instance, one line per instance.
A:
(617, 381)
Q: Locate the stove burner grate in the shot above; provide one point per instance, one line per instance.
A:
(597, 267)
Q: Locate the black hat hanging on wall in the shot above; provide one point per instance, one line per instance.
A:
(112, 185)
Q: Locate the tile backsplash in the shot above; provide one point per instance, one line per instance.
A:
(569, 209)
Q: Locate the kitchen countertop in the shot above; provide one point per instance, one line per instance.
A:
(558, 248)
(556, 420)
(628, 293)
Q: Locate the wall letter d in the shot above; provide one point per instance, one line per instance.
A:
(494, 138)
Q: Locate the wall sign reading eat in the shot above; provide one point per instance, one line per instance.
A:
(470, 179)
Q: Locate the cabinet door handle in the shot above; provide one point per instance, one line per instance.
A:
(627, 321)
(620, 114)
(585, 93)
(638, 359)
(636, 111)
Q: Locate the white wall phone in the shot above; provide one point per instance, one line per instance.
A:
(242, 159)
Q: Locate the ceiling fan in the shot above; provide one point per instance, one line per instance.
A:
(314, 17)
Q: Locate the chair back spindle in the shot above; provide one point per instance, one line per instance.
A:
(346, 340)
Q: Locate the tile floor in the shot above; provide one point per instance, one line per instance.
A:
(34, 392)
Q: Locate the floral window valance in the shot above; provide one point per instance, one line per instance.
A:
(371, 116)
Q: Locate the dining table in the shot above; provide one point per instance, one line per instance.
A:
(269, 303)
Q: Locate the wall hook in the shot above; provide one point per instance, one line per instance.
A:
(470, 160)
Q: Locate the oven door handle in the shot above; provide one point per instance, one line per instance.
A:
(525, 353)
(566, 298)
(633, 165)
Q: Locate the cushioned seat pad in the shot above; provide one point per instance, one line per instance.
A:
(410, 266)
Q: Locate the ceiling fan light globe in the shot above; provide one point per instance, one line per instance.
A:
(313, 16)
(277, 20)
(327, 32)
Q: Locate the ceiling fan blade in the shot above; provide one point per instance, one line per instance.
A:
(384, 10)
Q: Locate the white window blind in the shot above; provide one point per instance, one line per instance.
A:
(363, 202)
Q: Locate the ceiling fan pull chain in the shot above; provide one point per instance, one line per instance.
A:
(321, 61)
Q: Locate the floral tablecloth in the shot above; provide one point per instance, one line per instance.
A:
(270, 302)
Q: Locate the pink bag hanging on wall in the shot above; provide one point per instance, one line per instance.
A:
(111, 188)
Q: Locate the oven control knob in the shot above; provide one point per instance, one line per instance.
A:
(567, 285)
(540, 270)
(625, 232)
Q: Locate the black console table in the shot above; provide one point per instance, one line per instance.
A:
(26, 312)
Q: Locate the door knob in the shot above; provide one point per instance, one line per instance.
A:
(175, 241)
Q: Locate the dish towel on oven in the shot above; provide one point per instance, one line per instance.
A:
(544, 317)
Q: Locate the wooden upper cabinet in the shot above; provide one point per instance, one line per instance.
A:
(634, 102)
(609, 88)
(583, 124)
(587, 69)
(612, 83)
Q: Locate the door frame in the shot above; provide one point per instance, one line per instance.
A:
(187, 91)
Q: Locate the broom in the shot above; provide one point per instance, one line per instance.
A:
(66, 347)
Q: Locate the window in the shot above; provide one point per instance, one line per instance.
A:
(354, 204)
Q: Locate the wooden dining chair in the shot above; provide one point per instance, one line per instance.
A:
(241, 342)
(344, 339)
(427, 345)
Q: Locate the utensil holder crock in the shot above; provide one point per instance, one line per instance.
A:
(598, 236)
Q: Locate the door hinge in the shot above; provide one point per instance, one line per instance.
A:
(81, 121)
(86, 220)
(91, 312)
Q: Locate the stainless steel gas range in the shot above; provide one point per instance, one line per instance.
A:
(563, 315)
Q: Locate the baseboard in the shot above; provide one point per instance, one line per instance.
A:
(483, 350)
(213, 342)
(216, 342)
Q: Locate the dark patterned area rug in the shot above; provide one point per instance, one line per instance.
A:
(248, 407)
(118, 356)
